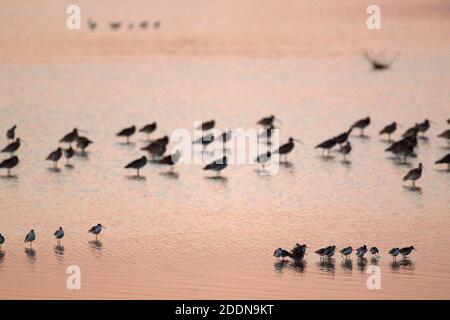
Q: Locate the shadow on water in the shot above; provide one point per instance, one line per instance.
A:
(69, 166)
(347, 264)
(361, 136)
(374, 260)
(95, 244)
(126, 144)
(82, 154)
(10, 177)
(31, 255)
(136, 178)
(328, 265)
(327, 157)
(443, 171)
(346, 163)
(218, 179)
(54, 170)
(412, 189)
(170, 174)
(404, 263)
(2, 256)
(362, 264)
(286, 164)
(263, 172)
(295, 265)
(59, 250)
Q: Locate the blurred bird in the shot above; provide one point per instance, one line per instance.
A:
(156, 24)
(55, 156)
(207, 125)
(217, 165)
(96, 230)
(389, 130)
(407, 251)
(83, 143)
(70, 137)
(68, 153)
(286, 148)
(361, 251)
(411, 132)
(127, 132)
(445, 135)
(346, 252)
(205, 140)
(298, 252)
(30, 237)
(403, 148)
(424, 126)
(346, 149)
(156, 148)
(268, 121)
(11, 133)
(326, 146)
(12, 147)
(2, 240)
(377, 64)
(445, 159)
(149, 128)
(374, 251)
(343, 137)
(115, 25)
(321, 252)
(361, 124)
(9, 164)
(143, 24)
(414, 174)
(263, 158)
(59, 234)
(394, 252)
(329, 251)
(281, 253)
(171, 160)
(92, 24)
(137, 164)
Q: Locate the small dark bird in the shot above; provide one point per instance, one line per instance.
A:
(92, 24)
(9, 164)
(157, 147)
(377, 64)
(389, 129)
(137, 164)
(96, 230)
(394, 252)
(374, 251)
(11, 133)
(298, 252)
(281, 253)
(329, 251)
(217, 165)
(83, 143)
(411, 132)
(30, 237)
(149, 128)
(127, 132)
(445, 135)
(346, 252)
(327, 145)
(403, 148)
(12, 147)
(59, 234)
(424, 126)
(171, 160)
(414, 174)
(115, 25)
(2, 240)
(55, 156)
(445, 159)
(70, 137)
(321, 252)
(343, 137)
(286, 148)
(346, 149)
(205, 140)
(407, 251)
(267, 122)
(156, 24)
(361, 124)
(143, 24)
(361, 251)
(207, 125)
(263, 158)
(68, 153)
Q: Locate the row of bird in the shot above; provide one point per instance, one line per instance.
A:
(58, 234)
(157, 148)
(299, 251)
(116, 25)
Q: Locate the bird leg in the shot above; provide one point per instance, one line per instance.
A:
(138, 173)
(9, 172)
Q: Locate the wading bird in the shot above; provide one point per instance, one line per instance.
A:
(326, 146)
(361, 125)
(92, 24)
(68, 153)
(70, 137)
(171, 160)
(414, 175)
(9, 164)
(406, 251)
(346, 149)
(268, 121)
(374, 251)
(346, 252)
(281, 253)
(343, 137)
(156, 148)
(137, 164)
(149, 128)
(127, 132)
(298, 252)
(83, 143)
(321, 252)
(205, 140)
(115, 25)
(96, 230)
(445, 135)
(361, 251)
(55, 156)
(424, 126)
(217, 165)
(12, 147)
(403, 148)
(329, 251)
(286, 148)
(59, 234)
(446, 160)
(11, 133)
(411, 132)
(389, 130)
(30, 237)
(143, 24)
(207, 125)
(394, 252)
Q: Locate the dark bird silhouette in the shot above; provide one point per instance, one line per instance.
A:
(149, 128)
(411, 132)
(143, 24)
(424, 126)
(217, 165)
(92, 24)
(115, 25)
(12, 147)
(207, 125)
(361, 125)
(70, 137)
(286, 148)
(157, 147)
(346, 252)
(2, 240)
(378, 64)
(414, 174)
(374, 251)
(137, 164)
(30, 237)
(68, 153)
(96, 230)
(394, 252)
(389, 129)
(298, 252)
(406, 251)
(403, 148)
(11, 133)
(83, 143)
(346, 149)
(445, 135)
(127, 132)
(9, 164)
(156, 24)
(171, 160)
(55, 156)
(343, 137)
(445, 160)
(268, 121)
(327, 145)
(281, 253)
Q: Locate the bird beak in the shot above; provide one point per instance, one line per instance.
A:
(299, 141)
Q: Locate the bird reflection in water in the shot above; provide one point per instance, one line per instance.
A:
(295, 265)
(31, 255)
(328, 265)
(405, 264)
(170, 174)
(362, 264)
(59, 250)
(2, 257)
(96, 244)
(347, 265)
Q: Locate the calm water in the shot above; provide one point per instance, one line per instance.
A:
(187, 236)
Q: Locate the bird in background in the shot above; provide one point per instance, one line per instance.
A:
(30, 237)
(326, 146)
(406, 251)
(12, 147)
(148, 129)
(414, 175)
(11, 133)
(68, 153)
(70, 137)
(281, 253)
(346, 252)
(137, 164)
(374, 251)
(394, 252)
(424, 126)
(127, 132)
(207, 125)
(217, 165)
(445, 135)
(83, 143)
(343, 137)
(268, 121)
(59, 234)
(264, 158)
(361, 251)
(287, 148)
(171, 160)
(346, 149)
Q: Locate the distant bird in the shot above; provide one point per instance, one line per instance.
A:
(83, 143)
(389, 129)
(2, 240)
(407, 251)
(92, 24)
(115, 25)
(281, 253)
(9, 164)
(326, 146)
(343, 137)
(361, 251)
(321, 252)
(346, 149)
(171, 160)
(361, 124)
(424, 126)
(268, 121)
(70, 137)
(156, 24)
(329, 251)
(68, 153)
(137, 164)
(55, 156)
(286, 148)
(394, 252)
(12, 147)
(414, 174)
(149, 128)
(346, 252)
(207, 125)
(157, 148)
(377, 64)
(127, 132)
(445, 135)
(403, 148)
(217, 165)
(96, 230)
(59, 234)
(298, 252)
(445, 159)
(263, 158)
(448, 121)
(374, 251)
(411, 132)
(143, 24)
(130, 26)
(11, 133)
(30, 237)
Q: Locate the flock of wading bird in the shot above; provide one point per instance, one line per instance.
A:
(156, 148)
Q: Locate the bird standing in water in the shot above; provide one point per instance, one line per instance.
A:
(346, 252)
(361, 125)
(59, 234)
(346, 149)
(445, 159)
(171, 160)
(127, 132)
(424, 126)
(389, 130)
(96, 230)
(83, 143)
(149, 128)
(414, 175)
(30, 237)
(343, 137)
(263, 158)
(286, 148)
(137, 164)
(217, 165)
(55, 156)
(374, 251)
(207, 125)
(394, 252)
(361, 251)
(11, 133)
(70, 137)
(9, 164)
(68, 154)
(268, 121)
(327, 145)
(406, 251)
(281, 253)
(12, 147)
(445, 135)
